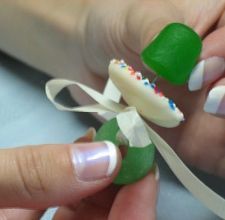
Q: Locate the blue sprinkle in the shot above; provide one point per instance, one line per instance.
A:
(172, 104)
(145, 81)
(152, 85)
(123, 65)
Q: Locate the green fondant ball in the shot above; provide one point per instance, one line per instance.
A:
(137, 162)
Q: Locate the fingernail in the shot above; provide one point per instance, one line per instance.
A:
(94, 161)
(121, 138)
(88, 137)
(215, 102)
(91, 133)
(206, 72)
(156, 172)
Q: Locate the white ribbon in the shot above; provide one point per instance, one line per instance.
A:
(140, 134)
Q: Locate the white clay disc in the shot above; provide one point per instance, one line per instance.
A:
(145, 96)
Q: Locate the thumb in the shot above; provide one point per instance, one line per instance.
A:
(143, 22)
(49, 175)
(150, 17)
(123, 30)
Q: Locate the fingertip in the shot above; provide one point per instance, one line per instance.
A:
(215, 101)
(212, 61)
(213, 44)
(137, 200)
(51, 175)
(95, 161)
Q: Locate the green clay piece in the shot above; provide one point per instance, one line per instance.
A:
(137, 162)
(173, 53)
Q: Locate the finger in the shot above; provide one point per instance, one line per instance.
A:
(125, 30)
(215, 102)
(94, 203)
(212, 64)
(137, 201)
(50, 175)
(98, 206)
(148, 26)
(24, 214)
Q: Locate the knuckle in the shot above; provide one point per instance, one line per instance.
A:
(3, 215)
(30, 165)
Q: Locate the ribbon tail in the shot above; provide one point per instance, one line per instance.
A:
(133, 128)
(202, 192)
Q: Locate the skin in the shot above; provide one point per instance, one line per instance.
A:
(200, 140)
(32, 196)
(108, 29)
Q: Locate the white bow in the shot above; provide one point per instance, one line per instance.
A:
(140, 134)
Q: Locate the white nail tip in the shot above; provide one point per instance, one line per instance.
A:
(196, 77)
(157, 174)
(113, 157)
(214, 99)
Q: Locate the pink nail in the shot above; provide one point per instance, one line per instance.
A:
(206, 72)
(215, 102)
(94, 161)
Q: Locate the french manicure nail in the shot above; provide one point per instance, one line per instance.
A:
(157, 174)
(94, 161)
(206, 72)
(215, 102)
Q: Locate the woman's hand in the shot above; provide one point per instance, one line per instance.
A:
(123, 29)
(74, 177)
(77, 39)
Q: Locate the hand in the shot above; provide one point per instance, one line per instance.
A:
(122, 29)
(33, 179)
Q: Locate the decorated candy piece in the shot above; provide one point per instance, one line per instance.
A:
(137, 160)
(145, 96)
(173, 53)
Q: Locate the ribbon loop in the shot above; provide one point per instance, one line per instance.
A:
(55, 86)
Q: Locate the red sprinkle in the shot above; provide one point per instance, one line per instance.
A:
(130, 69)
(132, 72)
(138, 78)
(156, 90)
(161, 94)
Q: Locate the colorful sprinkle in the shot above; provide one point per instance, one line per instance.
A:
(153, 85)
(138, 76)
(161, 94)
(156, 90)
(172, 104)
(130, 69)
(122, 65)
(144, 80)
